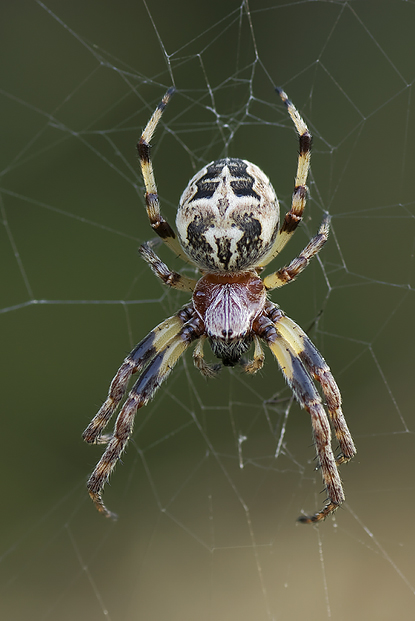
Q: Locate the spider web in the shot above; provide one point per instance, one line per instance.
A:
(217, 472)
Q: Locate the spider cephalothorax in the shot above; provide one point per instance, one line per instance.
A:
(228, 226)
(228, 305)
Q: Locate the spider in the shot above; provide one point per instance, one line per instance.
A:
(228, 227)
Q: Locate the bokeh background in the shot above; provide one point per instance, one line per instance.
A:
(199, 536)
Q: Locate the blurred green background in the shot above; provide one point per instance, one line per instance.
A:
(199, 537)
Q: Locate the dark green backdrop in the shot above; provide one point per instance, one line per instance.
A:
(198, 537)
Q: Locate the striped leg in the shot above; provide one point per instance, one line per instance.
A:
(293, 217)
(141, 393)
(297, 265)
(160, 269)
(320, 371)
(133, 363)
(304, 390)
(159, 224)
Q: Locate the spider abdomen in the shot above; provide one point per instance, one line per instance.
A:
(228, 305)
(228, 216)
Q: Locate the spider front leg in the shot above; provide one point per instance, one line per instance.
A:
(307, 396)
(133, 363)
(143, 390)
(320, 371)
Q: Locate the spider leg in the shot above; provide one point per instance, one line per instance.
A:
(142, 353)
(294, 216)
(320, 371)
(159, 224)
(304, 390)
(160, 269)
(143, 390)
(292, 270)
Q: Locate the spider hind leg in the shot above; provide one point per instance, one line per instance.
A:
(158, 223)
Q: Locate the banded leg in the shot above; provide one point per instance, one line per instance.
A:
(143, 390)
(159, 224)
(145, 351)
(305, 392)
(160, 269)
(297, 265)
(294, 216)
(320, 371)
